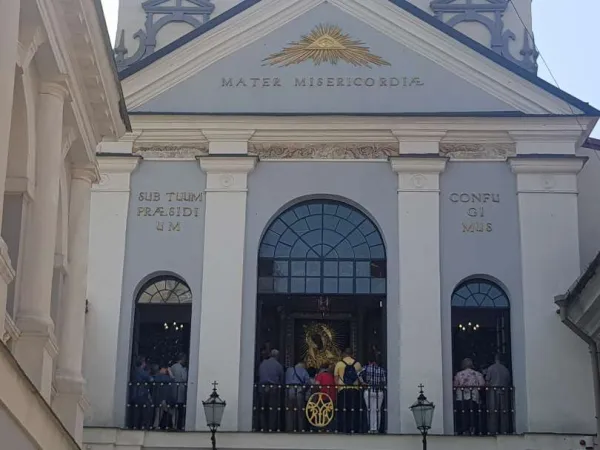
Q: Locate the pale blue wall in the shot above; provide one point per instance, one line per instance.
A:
(149, 251)
(441, 92)
(494, 255)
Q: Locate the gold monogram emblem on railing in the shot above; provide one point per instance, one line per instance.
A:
(319, 410)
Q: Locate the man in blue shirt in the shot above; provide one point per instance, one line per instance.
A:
(270, 381)
(297, 381)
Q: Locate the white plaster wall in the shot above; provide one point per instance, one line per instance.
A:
(12, 435)
(589, 207)
(132, 18)
(108, 223)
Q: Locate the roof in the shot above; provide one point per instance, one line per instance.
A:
(579, 285)
(488, 53)
(591, 143)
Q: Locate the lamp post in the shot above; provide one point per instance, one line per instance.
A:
(422, 410)
(214, 407)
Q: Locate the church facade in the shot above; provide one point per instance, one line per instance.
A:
(384, 176)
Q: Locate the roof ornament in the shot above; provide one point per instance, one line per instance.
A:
(158, 14)
(490, 15)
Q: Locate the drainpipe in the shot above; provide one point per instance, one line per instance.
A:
(595, 354)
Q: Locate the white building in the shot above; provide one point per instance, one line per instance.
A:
(59, 97)
(385, 174)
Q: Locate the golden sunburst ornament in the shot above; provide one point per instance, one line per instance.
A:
(326, 44)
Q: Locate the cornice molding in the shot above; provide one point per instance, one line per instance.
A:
(227, 164)
(478, 150)
(408, 164)
(566, 165)
(171, 152)
(118, 164)
(324, 151)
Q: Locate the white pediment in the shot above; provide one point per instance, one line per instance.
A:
(331, 57)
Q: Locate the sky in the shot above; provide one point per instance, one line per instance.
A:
(565, 36)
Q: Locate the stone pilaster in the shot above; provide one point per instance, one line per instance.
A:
(107, 239)
(69, 401)
(36, 347)
(420, 345)
(223, 271)
(9, 24)
(548, 222)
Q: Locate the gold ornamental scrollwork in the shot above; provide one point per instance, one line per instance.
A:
(319, 410)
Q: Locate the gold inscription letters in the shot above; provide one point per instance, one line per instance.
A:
(476, 206)
(171, 208)
(322, 82)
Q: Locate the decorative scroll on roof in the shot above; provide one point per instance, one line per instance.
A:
(158, 14)
(488, 13)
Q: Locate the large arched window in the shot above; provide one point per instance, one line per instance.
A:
(322, 247)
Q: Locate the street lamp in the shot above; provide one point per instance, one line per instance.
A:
(423, 409)
(214, 407)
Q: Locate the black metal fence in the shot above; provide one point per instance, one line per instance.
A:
(156, 406)
(484, 411)
(319, 409)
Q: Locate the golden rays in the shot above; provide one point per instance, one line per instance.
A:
(326, 44)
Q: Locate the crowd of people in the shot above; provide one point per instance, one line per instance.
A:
(157, 394)
(356, 395)
(483, 400)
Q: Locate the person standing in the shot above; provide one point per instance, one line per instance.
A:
(374, 376)
(297, 382)
(349, 398)
(180, 377)
(270, 380)
(498, 379)
(467, 384)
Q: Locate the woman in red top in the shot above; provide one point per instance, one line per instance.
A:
(326, 380)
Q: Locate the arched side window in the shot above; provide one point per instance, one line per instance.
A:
(165, 290)
(322, 246)
(479, 293)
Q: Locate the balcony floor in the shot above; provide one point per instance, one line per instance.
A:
(115, 439)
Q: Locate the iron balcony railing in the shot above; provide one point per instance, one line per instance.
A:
(483, 410)
(319, 409)
(156, 406)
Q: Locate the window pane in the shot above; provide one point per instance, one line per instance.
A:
(298, 268)
(265, 267)
(281, 285)
(329, 208)
(362, 251)
(330, 268)
(313, 268)
(297, 285)
(367, 228)
(377, 252)
(289, 237)
(345, 250)
(300, 227)
(289, 217)
(282, 250)
(344, 228)
(363, 269)
(330, 222)
(270, 238)
(363, 285)
(278, 227)
(373, 239)
(313, 285)
(346, 269)
(265, 284)
(346, 285)
(280, 268)
(330, 285)
(378, 285)
(315, 208)
(356, 218)
(267, 251)
(314, 222)
(300, 250)
(302, 211)
(378, 269)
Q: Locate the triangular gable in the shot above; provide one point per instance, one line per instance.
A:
(424, 86)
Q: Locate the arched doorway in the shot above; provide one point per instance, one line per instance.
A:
(163, 311)
(481, 332)
(321, 285)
